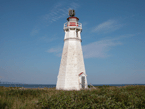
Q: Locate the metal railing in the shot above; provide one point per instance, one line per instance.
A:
(67, 26)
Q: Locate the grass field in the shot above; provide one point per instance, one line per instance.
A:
(103, 97)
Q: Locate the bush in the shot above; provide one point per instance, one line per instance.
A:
(107, 97)
(103, 98)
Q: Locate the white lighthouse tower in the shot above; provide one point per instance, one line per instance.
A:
(72, 74)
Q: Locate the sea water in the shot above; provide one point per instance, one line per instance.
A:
(54, 85)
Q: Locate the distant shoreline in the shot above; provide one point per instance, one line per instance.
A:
(54, 85)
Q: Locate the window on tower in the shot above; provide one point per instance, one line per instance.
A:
(76, 33)
(72, 28)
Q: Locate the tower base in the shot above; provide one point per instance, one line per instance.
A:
(72, 64)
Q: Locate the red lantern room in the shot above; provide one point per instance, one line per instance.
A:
(72, 21)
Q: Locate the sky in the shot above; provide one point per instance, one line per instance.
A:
(32, 39)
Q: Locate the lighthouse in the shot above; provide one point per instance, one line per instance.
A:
(72, 74)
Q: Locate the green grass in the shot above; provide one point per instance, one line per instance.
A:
(103, 97)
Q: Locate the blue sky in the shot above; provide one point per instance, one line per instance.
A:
(113, 40)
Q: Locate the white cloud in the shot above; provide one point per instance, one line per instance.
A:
(60, 10)
(100, 48)
(54, 50)
(84, 24)
(34, 31)
(121, 37)
(108, 26)
(96, 49)
(47, 38)
(59, 54)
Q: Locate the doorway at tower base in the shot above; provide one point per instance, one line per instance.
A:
(83, 81)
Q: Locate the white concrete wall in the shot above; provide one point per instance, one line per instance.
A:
(72, 63)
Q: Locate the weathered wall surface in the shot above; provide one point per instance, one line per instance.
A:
(72, 64)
